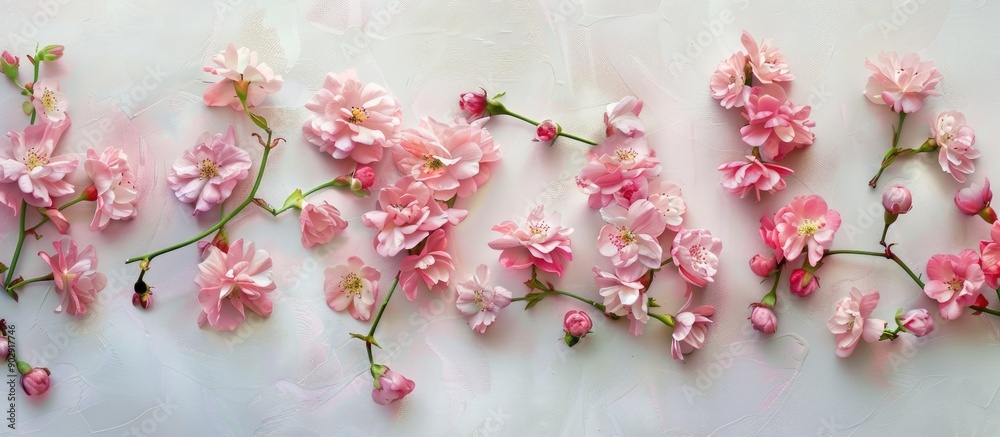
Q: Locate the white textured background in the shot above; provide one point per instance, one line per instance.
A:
(132, 72)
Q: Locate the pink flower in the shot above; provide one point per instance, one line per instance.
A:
(75, 275)
(479, 302)
(352, 286)
(990, 261)
(690, 329)
(623, 118)
(547, 131)
(207, 174)
(851, 322)
(974, 198)
(233, 282)
(775, 125)
(537, 242)
(239, 68)
(432, 266)
(767, 64)
(4, 344)
(352, 120)
(577, 323)
(954, 282)
(366, 175)
(802, 283)
(769, 234)
(742, 177)
(406, 214)
(763, 265)
(113, 180)
(808, 224)
(473, 103)
(631, 235)
(624, 294)
(393, 388)
(453, 160)
(320, 223)
(897, 199)
(666, 197)
(728, 81)
(615, 168)
(763, 319)
(36, 381)
(918, 322)
(696, 254)
(48, 101)
(28, 170)
(901, 83)
(957, 144)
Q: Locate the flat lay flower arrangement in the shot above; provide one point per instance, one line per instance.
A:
(434, 165)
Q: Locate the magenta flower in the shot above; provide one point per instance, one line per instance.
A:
(546, 131)
(763, 319)
(696, 255)
(393, 388)
(631, 235)
(902, 84)
(365, 175)
(729, 80)
(990, 260)
(352, 286)
(479, 302)
(666, 197)
(29, 172)
(957, 144)
(802, 283)
(742, 177)
(623, 117)
(432, 265)
(320, 223)
(974, 198)
(851, 322)
(954, 282)
(239, 68)
(775, 125)
(690, 329)
(896, 199)
(473, 103)
(767, 63)
(918, 322)
(352, 120)
(207, 174)
(806, 224)
(538, 242)
(624, 294)
(75, 275)
(406, 214)
(113, 181)
(453, 160)
(36, 381)
(48, 101)
(233, 282)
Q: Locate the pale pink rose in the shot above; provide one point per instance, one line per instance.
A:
(352, 120)
(405, 214)
(352, 286)
(990, 260)
(546, 131)
(453, 160)
(394, 387)
(729, 80)
(75, 275)
(631, 235)
(48, 101)
(624, 294)
(233, 282)
(474, 103)
(802, 283)
(666, 197)
(902, 84)
(806, 224)
(763, 265)
(320, 223)
(479, 302)
(29, 172)
(897, 199)
(36, 381)
(691, 327)
(114, 181)
(763, 319)
(240, 68)
(58, 220)
(954, 281)
(366, 175)
(614, 167)
(767, 63)
(851, 322)
(577, 323)
(918, 322)
(974, 198)
(769, 234)
(623, 118)
(775, 125)
(696, 254)
(207, 174)
(742, 177)
(538, 242)
(432, 266)
(957, 144)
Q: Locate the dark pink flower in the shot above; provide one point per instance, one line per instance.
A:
(775, 125)
(546, 131)
(473, 103)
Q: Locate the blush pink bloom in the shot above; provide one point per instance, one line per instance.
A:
(954, 281)
(624, 294)
(763, 319)
(75, 275)
(453, 160)
(918, 322)
(806, 224)
(320, 223)
(614, 169)
(776, 126)
(393, 388)
(990, 260)
(851, 322)
(233, 282)
(769, 234)
(767, 63)
(240, 68)
(48, 101)
(36, 381)
(897, 199)
(546, 131)
(207, 174)
(753, 175)
(696, 254)
(623, 118)
(666, 197)
(29, 172)
(729, 80)
(577, 323)
(974, 198)
(957, 144)
(631, 235)
(113, 181)
(763, 265)
(352, 286)
(690, 329)
(474, 103)
(538, 242)
(405, 214)
(432, 266)
(352, 120)
(802, 283)
(479, 302)
(902, 84)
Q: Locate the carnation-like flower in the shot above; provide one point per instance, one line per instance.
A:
(896, 199)
(432, 266)
(729, 80)
(352, 286)
(974, 198)
(767, 63)
(623, 117)
(479, 302)
(631, 235)
(394, 387)
(29, 172)
(451, 159)
(696, 254)
(990, 260)
(666, 197)
(775, 125)
(48, 101)
(352, 120)
(902, 84)
(954, 281)
(233, 282)
(239, 68)
(405, 214)
(623, 293)
(957, 143)
(753, 175)
(918, 322)
(320, 223)
(851, 322)
(75, 275)
(690, 329)
(113, 181)
(539, 241)
(207, 174)
(365, 175)
(806, 224)
(614, 168)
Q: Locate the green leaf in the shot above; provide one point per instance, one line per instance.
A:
(366, 339)
(3, 268)
(261, 122)
(652, 303)
(532, 303)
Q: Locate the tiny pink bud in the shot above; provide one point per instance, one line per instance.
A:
(393, 387)
(918, 322)
(4, 348)
(36, 381)
(577, 323)
(973, 199)
(897, 199)
(763, 319)
(366, 175)
(473, 102)
(10, 59)
(980, 302)
(143, 300)
(803, 283)
(762, 265)
(547, 131)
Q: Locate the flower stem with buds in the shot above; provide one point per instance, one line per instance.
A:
(495, 107)
(289, 205)
(378, 317)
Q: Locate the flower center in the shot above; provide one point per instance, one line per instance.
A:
(351, 284)
(49, 100)
(623, 238)
(628, 154)
(479, 300)
(34, 161)
(697, 254)
(358, 115)
(431, 164)
(208, 169)
(808, 228)
(956, 284)
(538, 228)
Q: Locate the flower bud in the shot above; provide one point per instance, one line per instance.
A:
(762, 265)
(473, 102)
(547, 131)
(51, 52)
(9, 64)
(897, 199)
(980, 302)
(803, 283)
(763, 319)
(4, 348)
(58, 219)
(390, 386)
(577, 324)
(366, 175)
(34, 381)
(974, 199)
(918, 322)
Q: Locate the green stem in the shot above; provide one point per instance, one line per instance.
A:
(34, 81)
(894, 151)
(378, 317)
(891, 256)
(544, 294)
(47, 277)
(276, 212)
(899, 130)
(771, 298)
(17, 249)
(496, 108)
(45, 218)
(985, 310)
(667, 261)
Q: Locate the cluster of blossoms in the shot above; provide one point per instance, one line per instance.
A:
(775, 126)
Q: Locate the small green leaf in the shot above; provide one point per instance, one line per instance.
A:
(28, 108)
(3, 268)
